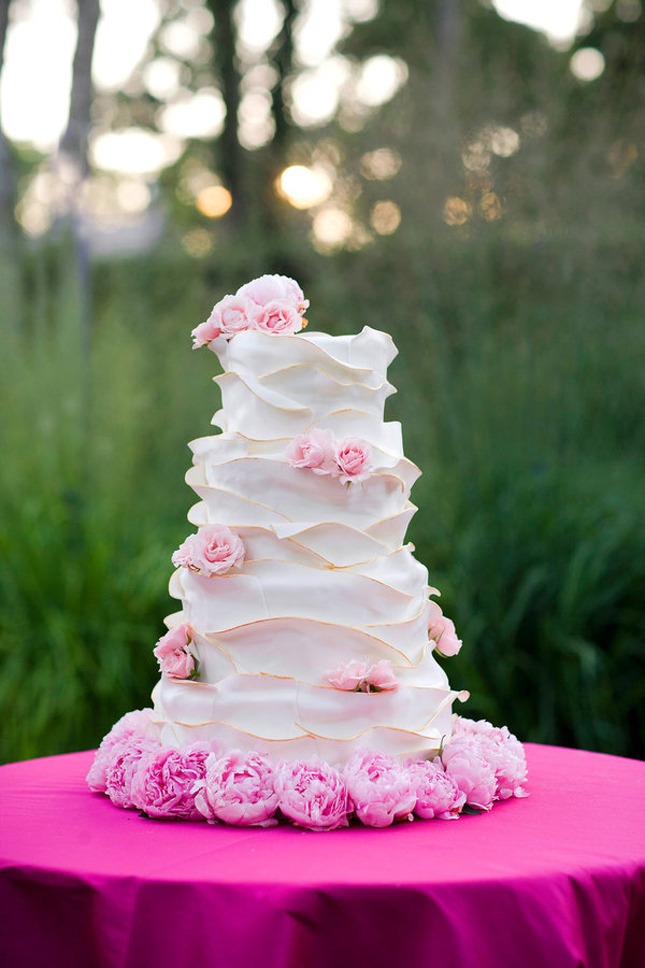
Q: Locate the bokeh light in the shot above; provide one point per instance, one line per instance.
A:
(456, 211)
(381, 164)
(304, 187)
(331, 227)
(380, 78)
(134, 151)
(385, 217)
(490, 207)
(197, 243)
(214, 201)
(587, 64)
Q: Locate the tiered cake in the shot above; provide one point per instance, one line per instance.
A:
(298, 678)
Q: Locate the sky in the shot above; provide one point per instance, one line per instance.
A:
(40, 44)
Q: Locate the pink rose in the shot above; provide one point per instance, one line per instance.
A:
(123, 763)
(233, 314)
(465, 759)
(363, 676)
(311, 794)
(314, 450)
(278, 317)
(162, 786)
(268, 288)
(380, 790)
(238, 789)
(442, 630)
(204, 333)
(172, 652)
(438, 795)
(353, 458)
(348, 677)
(132, 724)
(212, 551)
(381, 677)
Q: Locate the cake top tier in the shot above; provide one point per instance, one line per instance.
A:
(241, 330)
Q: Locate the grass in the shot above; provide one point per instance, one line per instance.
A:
(520, 400)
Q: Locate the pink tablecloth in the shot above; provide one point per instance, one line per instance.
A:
(556, 880)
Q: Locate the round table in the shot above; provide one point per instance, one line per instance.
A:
(555, 880)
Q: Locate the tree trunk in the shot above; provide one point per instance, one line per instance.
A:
(75, 139)
(7, 200)
(282, 59)
(447, 68)
(230, 155)
(73, 149)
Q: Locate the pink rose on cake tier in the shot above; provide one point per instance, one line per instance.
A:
(132, 724)
(175, 659)
(214, 550)
(124, 759)
(438, 796)
(238, 789)
(442, 630)
(314, 451)
(363, 676)
(466, 761)
(278, 317)
(268, 288)
(380, 790)
(163, 784)
(231, 315)
(205, 333)
(311, 794)
(353, 459)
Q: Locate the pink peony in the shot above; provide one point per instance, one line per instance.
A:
(238, 789)
(314, 450)
(438, 795)
(132, 724)
(465, 759)
(353, 459)
(442, 630)
(268, 288)
(363, 676)
(162, 786)
(172, 652)
(503, 750)
(380, 790)
(311, 794)
(278, 317)
(212, 551)
(123, 762)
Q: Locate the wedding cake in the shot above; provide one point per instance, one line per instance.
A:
(299, 679)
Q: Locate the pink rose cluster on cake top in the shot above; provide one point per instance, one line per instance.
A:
(270, 304)
(299, 678)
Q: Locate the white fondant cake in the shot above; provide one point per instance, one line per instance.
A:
(307, 628)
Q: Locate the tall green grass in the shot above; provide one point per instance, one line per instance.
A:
(521, 399)
(93, 503)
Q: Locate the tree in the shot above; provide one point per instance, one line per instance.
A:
(7, 219)
(74, 142)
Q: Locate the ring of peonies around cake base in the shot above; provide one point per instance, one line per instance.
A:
(479, 765)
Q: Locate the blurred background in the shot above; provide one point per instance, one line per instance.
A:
(466, 174)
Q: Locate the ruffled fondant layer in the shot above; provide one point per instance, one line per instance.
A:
(326, 579)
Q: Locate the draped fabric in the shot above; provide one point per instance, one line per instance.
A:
(557, 879)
